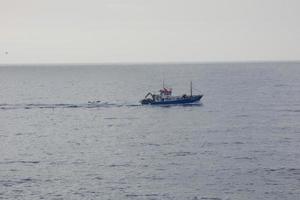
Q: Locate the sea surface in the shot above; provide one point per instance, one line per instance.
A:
(78, 132)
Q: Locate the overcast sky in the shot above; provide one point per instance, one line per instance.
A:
(100, 31)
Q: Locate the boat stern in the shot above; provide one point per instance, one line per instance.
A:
(146, 101)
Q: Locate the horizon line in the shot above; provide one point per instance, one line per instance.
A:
(151, 63)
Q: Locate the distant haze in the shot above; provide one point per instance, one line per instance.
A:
(103, 31)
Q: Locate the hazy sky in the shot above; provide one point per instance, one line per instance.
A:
(148, 30)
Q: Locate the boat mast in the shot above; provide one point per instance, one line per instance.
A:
(191, 87)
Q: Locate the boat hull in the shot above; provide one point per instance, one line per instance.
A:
(186, 100)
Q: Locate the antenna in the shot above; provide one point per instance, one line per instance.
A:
(191, 88)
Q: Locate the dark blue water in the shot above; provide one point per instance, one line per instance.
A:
(242, 142)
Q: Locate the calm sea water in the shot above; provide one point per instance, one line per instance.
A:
(242, 142)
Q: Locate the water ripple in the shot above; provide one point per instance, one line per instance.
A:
(181, 153)
(20, 162)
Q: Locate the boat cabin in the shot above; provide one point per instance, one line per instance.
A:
(165, 92)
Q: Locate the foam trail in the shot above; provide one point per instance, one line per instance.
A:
(94, 104)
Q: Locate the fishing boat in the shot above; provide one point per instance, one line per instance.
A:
(165, 97)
